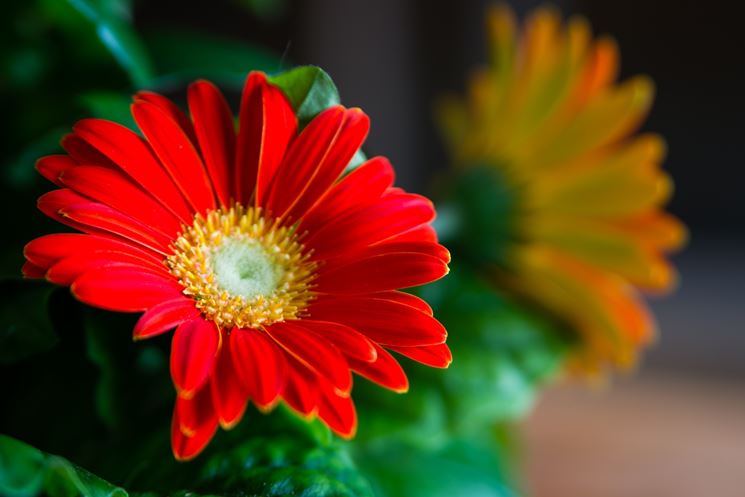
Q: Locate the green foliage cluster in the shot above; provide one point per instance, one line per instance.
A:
(78, 386)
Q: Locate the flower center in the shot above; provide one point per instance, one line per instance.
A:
(243, 269)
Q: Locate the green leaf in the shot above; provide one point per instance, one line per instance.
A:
(309, 89)
(109, 105)
(27, 472)
(503, 352)
(111, 19)
(477, 215)
(460, 467)
(183, 56)
(25, 328)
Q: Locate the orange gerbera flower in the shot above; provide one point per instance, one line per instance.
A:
(550, 121)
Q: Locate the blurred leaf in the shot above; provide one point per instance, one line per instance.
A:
(109, 105)
(27, 472)
(21, 171)
(503, 351)
(113, 27)
(461, 467)
(477, 214)
(183, 56)
(25, 328)
(309, 89)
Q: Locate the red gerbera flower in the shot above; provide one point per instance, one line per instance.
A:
(279, 275)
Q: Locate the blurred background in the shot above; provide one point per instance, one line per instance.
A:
(674, 428)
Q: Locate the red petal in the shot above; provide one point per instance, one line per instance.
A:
(177, 154)
(300, 391)
(390, 216)
(31, 270)
(425, 233)
(260, 364)
(380, 273)
(361, 187)
(193, 351)
(267, 124)
(83, 153)
(164, 317)
(229, 395)
(113, 188)
(384, 321)
(437, 356)
(313, 352)
(405, 298)
(132, 154)
(213, 123)
(171, 109)
(195, 412)
(66, 271)
(185, 447)
(350, 342)
(337, 411)
(104, 218)
(49, 249)
(303, 160)
(385, 371)
(124, 288)
(52, 166)
(349, 140)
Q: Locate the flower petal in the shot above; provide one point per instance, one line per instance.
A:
(363, 186)
(193, 349)
(104, 218)
(186, 447)
(132, 154)
(352, 134)
(177, 154)
(385, 371)
(260, 363)
(165, 316)
(313, 352)
(213, 124)
(113, 188)
(300, 391)
(267, 124)
(196, 411)
(350, 342)
(83, 152)
(384, 321)
(66, 271)
(172, 110)
(380, 273)
(303, 160)
(394, 214)
(437, 356)
(229, 395)
(49, 249)
(337, 411)
(124, 288)
(52, 166)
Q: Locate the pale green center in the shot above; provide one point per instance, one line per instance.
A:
(243, 267)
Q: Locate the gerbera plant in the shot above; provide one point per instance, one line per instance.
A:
(278, 271)
(564, 202)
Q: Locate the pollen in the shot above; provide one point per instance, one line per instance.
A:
(242, 268)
